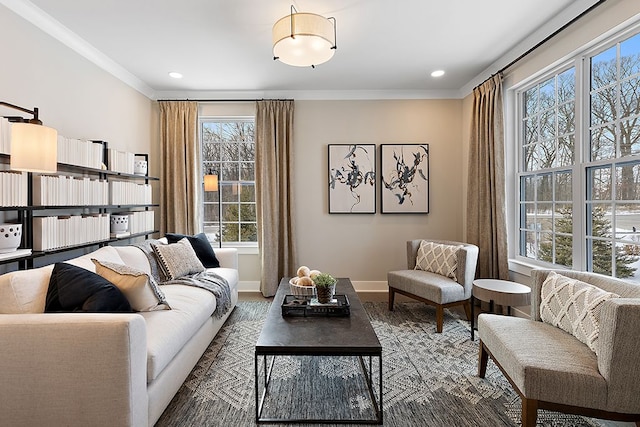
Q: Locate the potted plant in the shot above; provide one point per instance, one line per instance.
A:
(325, 287)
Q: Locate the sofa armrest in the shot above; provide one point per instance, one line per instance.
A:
(228, 257)
(618, 355)
(73, 369)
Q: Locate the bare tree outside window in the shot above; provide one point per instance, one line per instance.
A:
(228, 150)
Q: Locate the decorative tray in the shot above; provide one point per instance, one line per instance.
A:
(296, 305)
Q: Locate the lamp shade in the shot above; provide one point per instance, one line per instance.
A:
(211, 183)
(303, 39)
(34, 148)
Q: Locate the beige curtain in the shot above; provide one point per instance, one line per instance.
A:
(486, 226)
(274, 160)
(180, 167)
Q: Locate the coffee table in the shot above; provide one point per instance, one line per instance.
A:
(318, 336)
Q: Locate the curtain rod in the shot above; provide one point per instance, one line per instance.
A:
(224, 100)
(546, 39)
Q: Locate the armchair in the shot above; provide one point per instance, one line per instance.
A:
(554, 370)
(433, 288)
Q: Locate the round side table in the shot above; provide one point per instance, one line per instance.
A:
(502, 292)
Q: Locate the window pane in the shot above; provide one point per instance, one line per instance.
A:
(230, 172)
(531, 101)
(603, 106)
(531, 247)
(563, 187)
(247, 172)
(247, 151)
(630, 56)
(248, 193)
(247, 212)
(630, 137)
(599, 224)
(628, 222)
(530, 217)
(544, 217)
(566, 118)
(628, 182)
(603, 68)
(531, 130)
(530, 163)
(211, 212)
(626, 262)
(547, 94)
(565, 151)
(545, 187)
(600, 183)
(566, 85)
(564, 251)
(548, 125)
(563, 219)
(544, 154)
(629, 98)
(603, 143)
(230, 212)
(248, 233)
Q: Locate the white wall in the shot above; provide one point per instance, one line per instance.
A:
(74, 96)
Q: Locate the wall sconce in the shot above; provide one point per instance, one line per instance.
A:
(304, 39)
(211, 183)
(34, 148)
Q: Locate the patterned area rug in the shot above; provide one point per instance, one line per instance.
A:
(429, 379)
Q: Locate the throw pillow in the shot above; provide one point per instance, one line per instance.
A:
(177, 259)
(141, 290)
(200, 245)
(438, 258)
(573, 306)
(72, 288)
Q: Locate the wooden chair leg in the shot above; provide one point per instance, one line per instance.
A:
(483, 358)
(392, 294)
(529, 412)
(467, 309)
(439, 318)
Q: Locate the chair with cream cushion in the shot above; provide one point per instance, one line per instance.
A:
(579, 351)
(439, 273)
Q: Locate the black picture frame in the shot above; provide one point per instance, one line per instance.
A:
(352, 178)
(404, 178)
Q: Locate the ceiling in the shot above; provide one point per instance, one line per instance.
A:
(224, 46)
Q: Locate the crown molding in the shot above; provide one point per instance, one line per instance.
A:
(57, 30)
(309, 95)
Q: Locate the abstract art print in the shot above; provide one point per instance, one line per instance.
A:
(352, 178)
(404, 178)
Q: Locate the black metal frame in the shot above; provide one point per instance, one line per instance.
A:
(260, 398)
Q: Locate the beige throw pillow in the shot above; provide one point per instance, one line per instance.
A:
(438, 258)
(140, 289)
(177, 259)
(574, 307)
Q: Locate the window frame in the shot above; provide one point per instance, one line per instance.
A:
(514, 115)
(245, 247)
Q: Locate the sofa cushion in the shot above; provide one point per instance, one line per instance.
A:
(168, 331)
(105, 253)
(141, 290)
(73, 288)
(544, 362)
(201, 246)
(441, 289)
(24, 291)
(177, 259)
(438, 258)
(573, 306)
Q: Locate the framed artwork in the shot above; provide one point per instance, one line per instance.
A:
(352, 178)
(404, 178)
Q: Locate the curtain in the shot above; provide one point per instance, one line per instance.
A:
(180, 167)
(274, 160)
(486, 225)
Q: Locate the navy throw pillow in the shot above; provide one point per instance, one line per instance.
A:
(201, 246)
(72, 288)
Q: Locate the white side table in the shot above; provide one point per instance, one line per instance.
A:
(502, 292)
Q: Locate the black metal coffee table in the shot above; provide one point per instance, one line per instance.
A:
(318, 336)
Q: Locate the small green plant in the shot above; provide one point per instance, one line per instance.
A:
(324, 280)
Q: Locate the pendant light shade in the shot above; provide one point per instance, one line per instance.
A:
(304, 39)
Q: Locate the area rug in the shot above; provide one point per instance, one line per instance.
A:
(429, 379)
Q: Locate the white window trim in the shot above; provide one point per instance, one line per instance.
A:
(578, 58)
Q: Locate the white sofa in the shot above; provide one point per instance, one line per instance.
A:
(81, 369)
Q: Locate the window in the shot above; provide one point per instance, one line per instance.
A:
(579, 164)
(228, 150)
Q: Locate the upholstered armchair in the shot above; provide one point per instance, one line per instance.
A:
(579, 351)
(443, 278)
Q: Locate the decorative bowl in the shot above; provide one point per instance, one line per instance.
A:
(307, 291)
(140, 167)
(10, 237)
(119, 223)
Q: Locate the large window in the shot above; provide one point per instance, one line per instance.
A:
(228, 151)
(579, 166)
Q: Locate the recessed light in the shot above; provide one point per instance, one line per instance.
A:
(175, 75)
(437, 73)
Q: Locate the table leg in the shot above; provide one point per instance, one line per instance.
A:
(509, 310)
(472, 317)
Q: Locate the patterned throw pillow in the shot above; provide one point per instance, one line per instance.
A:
(438, 258)
(177, 259)
(140, 289)
(573, 306)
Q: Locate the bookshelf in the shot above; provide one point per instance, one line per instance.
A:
(71, 209)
